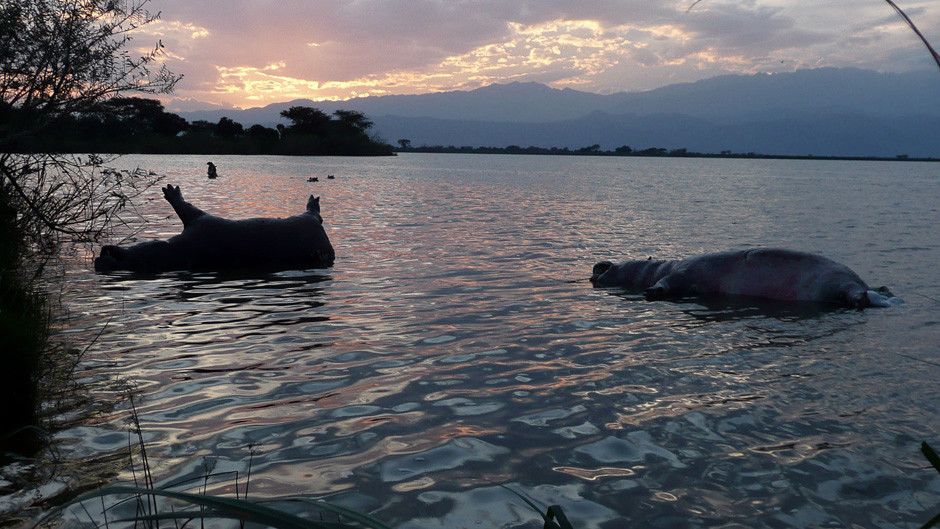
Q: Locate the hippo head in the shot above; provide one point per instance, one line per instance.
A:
(150, 256)
(313, 207)
(600, 269)
(638, 274)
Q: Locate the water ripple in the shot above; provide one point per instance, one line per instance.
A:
(455, 345)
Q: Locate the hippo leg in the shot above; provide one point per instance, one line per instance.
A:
(859, 301)
(186, 211)
(860, 297)
(655, 292)
(882, 297)
(667, 287)
(876, 297)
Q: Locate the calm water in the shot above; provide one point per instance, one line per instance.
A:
(456, 345)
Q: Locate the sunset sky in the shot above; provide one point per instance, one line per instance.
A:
(246, 53)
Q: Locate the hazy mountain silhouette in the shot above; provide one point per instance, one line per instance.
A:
(826, 111)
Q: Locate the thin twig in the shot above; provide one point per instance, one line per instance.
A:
(910, 23)
(900, 12)
(88, 514)
(104, 512)
(148, 476)
(251, 454)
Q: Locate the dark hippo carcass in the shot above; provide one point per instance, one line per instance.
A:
(210, 243)
(767, 273)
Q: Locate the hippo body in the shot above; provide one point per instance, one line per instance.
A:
(210, 243)
(767, 273)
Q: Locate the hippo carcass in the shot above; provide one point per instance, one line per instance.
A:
(767, 273)
(210, 243)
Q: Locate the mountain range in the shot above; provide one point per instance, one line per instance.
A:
(826, 111)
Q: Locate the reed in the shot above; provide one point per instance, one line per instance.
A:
(176, 503)
(154, 504)
(910, 24)
(554, 516)
(934, 460)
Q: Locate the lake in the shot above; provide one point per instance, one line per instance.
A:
(456, 345)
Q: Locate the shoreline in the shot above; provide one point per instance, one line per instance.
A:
(539, 151)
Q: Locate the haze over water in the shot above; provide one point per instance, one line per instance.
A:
(456, 344)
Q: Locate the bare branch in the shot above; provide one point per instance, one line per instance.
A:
(57, 58)
(910, 24)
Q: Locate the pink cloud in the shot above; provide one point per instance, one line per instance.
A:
(335, 48)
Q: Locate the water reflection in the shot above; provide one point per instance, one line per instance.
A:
(455, 346)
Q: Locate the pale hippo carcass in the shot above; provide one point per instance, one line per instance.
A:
(767, 273)
(210, 243)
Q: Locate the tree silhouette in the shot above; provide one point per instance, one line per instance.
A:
(354, 120)
(138, 114)
(260, 132)
(59, 58)
(306, 121)
(228, 128)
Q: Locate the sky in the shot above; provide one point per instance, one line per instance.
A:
(249, 53)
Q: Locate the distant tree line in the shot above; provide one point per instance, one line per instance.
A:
(404, 145)
(137, 125)
(590, 150)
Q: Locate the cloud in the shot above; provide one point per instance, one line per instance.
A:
(349, 48)
(176, 29)
(259, 85)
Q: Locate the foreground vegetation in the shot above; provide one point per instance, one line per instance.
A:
(57, 59)
(24, 326)
(145, 504)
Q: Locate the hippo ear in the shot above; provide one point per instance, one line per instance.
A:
(313, 204)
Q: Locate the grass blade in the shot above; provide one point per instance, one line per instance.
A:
(910, 24)
(237, 509)
(529, 502)
(900, 12)
(556, 512)
(191, 515)
(930, 455)
(932, 522)
(364, 519)
(552, 513)
(934, 459)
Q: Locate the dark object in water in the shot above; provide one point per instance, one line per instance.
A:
(211, 172)
(313, 179)
(214, 244)
(330, 177)
(767, 273)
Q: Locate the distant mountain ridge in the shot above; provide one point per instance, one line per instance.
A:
(827, 111)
